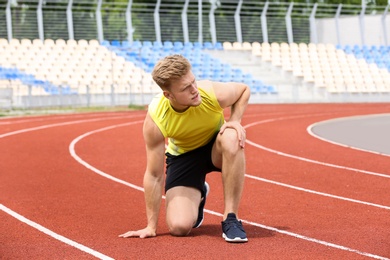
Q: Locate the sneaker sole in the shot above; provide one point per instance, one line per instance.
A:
(234, 240)
(207, 193)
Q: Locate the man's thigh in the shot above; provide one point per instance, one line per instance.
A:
(182, 205)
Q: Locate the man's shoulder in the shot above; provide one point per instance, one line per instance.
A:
(156, 101)
(206, 85)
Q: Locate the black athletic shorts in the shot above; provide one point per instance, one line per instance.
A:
(190, 169)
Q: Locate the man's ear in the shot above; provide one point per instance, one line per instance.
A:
(167, 94)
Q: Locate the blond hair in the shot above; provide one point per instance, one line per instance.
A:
(170, 68)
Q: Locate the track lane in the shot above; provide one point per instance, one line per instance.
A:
(39, 183)
(276, 242)
(289, 233)
(41, 244)
(99, 137)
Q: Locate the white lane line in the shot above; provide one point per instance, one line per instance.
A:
(53, 234)
(87, 165)
(317, 192)
(317, 241)
(310, 131)
(40, 118)
(306, 159)
(21, 131)
(90, 167)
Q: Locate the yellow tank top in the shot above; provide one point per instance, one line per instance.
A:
(190, 129)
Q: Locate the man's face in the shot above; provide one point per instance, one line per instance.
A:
(184, 93)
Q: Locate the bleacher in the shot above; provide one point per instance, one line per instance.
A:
(75, 67)
(70, 67)
(205, 66)
(326, 66)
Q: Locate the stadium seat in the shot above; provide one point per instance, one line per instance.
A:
(227, 46)
(275, 47)
(167, 45)
(3, 42)
(208, 45)
(246, 46)
(178, 46)
(218, 46)
(116, 43)
(83, 44)
(93, 42)
(105, 43)
(147, 44)
(198, 45)
(237, 46)
(256, 49)
(14, 43)
(26, 43)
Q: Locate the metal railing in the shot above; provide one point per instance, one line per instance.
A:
(174, 20)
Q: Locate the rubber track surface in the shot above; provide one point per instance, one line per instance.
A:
(70, 184)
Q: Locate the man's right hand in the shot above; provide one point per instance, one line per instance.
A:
(142, 233)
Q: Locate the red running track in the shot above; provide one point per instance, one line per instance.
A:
(70, 184)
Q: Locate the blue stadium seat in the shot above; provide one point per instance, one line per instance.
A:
(178, 46)
(348, 49)
(125, 44)
(208, 46)
(157, 45)
(105, 43)
(116, 43)
(147, 44)
(238, 72)
(272, 90)
(218, 46)
(187, 53)
(136, 44)
(359, 55)
(146, 54)
(356, 49)
(257, 87)
(188, 45)
(374, 48)
(167, 45)
(198, 45)
(248, 81)
(29, 79)
(197, 72)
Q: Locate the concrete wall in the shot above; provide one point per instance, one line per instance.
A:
(350, 32)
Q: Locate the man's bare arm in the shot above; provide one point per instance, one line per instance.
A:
(153, 178)
(235, 96)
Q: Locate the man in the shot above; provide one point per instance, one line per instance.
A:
(190, 114)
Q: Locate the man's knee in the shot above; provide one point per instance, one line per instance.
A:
(229, 142)
(180, 229)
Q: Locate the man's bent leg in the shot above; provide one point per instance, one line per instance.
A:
(228, 155)
(182, 205)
